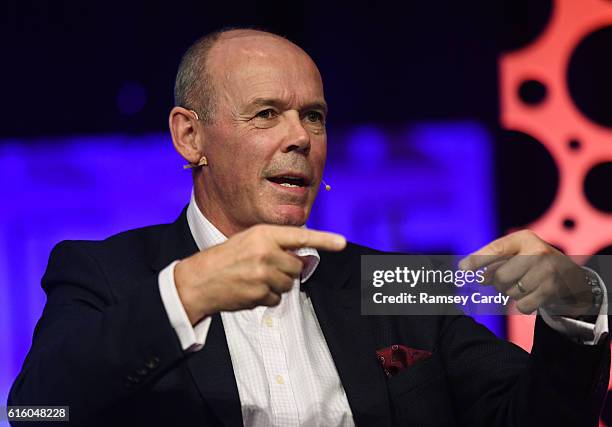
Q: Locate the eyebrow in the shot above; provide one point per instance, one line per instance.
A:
(316, 105)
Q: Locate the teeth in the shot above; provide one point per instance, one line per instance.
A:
(286, 184)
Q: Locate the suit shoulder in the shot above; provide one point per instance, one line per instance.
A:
(128, 246)
(128, 238)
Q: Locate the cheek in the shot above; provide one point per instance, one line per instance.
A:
(318, 153)
(232, 153)
(242, 168)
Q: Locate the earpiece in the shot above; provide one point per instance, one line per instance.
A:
(203, 162)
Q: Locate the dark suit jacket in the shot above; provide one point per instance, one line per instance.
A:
(105, 347)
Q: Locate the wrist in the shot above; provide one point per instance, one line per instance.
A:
(185, 289)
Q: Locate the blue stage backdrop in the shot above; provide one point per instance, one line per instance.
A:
(424, 187)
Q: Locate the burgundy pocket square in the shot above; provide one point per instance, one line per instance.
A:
(398, 357)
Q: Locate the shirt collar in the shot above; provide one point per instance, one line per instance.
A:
(207, 235)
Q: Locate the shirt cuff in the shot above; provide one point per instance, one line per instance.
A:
(192, 338)
(578, 330)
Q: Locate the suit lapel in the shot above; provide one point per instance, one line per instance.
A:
(176, 243)
(211, 367)
(349, 338)
(213, 374)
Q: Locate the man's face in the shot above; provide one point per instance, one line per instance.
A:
(266, 145)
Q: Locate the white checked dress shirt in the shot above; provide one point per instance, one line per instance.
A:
(283, 368)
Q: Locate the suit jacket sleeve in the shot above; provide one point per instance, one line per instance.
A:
(495, 383)
(91, 349)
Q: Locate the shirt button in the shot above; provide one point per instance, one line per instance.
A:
(268, 321)
(280, 379)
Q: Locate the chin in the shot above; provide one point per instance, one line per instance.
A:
(290, 215)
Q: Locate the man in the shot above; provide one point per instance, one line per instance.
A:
(235, 315)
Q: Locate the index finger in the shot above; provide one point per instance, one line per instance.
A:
(294, 238)
(498, 250)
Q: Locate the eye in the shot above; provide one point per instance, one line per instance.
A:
(314, 116)
(268, 113)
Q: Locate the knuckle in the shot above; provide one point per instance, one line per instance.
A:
(261, 256)
(501, 276)
(296, 267)
(257, 229)
(282, 282)
(528, 235)
(541, 249)
(295, 272)
(274, 299)
(497, 247)
(523, 308)
(287, 282)
(258, 293)
(260, 272)
(547, 268)
(301, 237)
(257, 234)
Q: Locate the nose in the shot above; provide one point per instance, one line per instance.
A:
(298, 138)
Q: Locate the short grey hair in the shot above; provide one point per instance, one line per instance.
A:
(194, 86)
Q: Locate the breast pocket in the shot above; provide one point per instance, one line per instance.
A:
(420, 395)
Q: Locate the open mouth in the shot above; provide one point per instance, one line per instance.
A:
(289, 181)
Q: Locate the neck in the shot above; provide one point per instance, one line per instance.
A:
(216, 216)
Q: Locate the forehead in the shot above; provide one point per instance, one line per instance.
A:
(255, 66)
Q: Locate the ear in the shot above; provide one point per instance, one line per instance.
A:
(184, 130)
